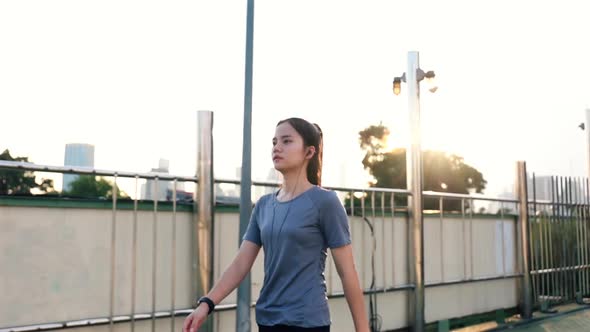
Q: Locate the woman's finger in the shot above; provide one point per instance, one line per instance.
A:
(187, 323)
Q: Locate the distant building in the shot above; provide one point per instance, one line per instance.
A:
(80, 155)
(496, 207)
(149, 190)
(541, 188)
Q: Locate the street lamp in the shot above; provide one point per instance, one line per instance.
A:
(412, 77)
(397, 82)
(420, 75)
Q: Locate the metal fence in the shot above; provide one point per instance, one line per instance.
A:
(379, 225)
(559, 240)
(545, 241)
(117, 204)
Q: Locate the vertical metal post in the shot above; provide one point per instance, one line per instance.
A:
(585, 236)
(442, 247)
(552, 221)
(134, 255)
(244, 289)
(155, 250)
(173, 249)
(113, 254)
(364, 259)
(560, 233)
(465, 250)
(578, 245)
(503, 241)
(383, 251)
(536, 257)
(203, 225)
(523, 236)
(414, 182)
(471, 246)
(393, 241)
(588, 140)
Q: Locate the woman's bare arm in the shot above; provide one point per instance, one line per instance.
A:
(344, 261)
(235, 272)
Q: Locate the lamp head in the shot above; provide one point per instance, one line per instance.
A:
(397, 85)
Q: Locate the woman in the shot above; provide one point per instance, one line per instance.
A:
(295, 226)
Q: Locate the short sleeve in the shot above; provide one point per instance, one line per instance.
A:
(334, 221)
(253, 231)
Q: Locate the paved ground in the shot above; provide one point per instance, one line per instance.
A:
(575, 321)
(570, 317)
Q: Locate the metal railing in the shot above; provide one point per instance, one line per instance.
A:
(557, 230)
(157, 178)
(560, 265)
(378, 217)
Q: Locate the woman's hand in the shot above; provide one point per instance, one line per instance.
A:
(229, 280)
(193, 322)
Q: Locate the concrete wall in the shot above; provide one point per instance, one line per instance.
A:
(55, 266)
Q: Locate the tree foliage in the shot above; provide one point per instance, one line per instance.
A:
(21, 182)
(442, 172)
(90, 186)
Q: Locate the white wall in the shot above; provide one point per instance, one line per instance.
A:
(55, 266)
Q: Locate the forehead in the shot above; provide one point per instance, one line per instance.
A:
(285, 129)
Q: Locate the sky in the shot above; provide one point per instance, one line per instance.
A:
(130, 76)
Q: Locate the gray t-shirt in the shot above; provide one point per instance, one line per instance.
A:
(295, 236)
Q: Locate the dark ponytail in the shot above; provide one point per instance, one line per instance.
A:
(312, 136)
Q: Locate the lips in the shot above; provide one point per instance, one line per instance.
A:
(275, 158)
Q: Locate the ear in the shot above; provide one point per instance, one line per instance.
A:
(310, 152)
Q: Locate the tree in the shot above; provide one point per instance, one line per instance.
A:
(90, 186)
(21, 182)
(442, 172)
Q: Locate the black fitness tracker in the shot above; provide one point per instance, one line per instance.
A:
(209, 303)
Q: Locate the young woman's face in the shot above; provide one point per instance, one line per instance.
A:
(288, 151)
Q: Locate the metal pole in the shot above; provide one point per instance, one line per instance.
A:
(156, 197)
(173, 249)
(441, 231)
(113, 254)
(523, 230)
(392, 239)
(244, 289)
(588, 139)
(203, 226)
(414, 182)
(134, 256)
(465, 250)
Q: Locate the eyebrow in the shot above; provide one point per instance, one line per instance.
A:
(284, 136)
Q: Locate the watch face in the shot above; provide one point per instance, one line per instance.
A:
(196, 302)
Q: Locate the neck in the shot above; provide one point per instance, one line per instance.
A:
(294, 183)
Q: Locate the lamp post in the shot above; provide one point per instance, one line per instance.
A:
(245, 288)
(412, 77)
(588, 139)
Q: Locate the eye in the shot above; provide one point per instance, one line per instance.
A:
(287, 141)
